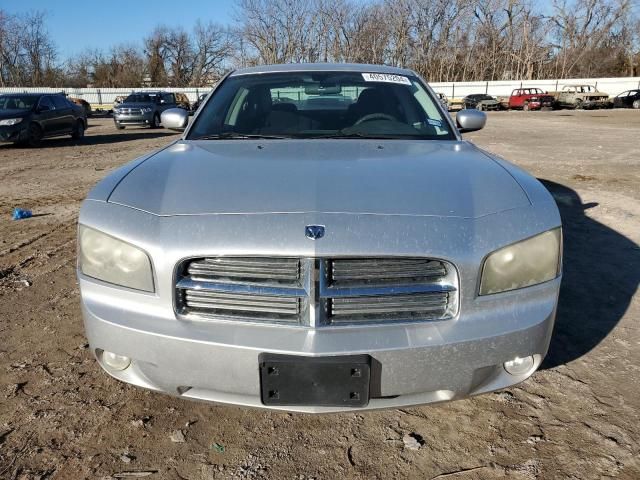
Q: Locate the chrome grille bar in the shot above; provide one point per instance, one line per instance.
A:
(246, 288)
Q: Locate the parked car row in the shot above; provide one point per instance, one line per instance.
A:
(27, 118)
(571, 96)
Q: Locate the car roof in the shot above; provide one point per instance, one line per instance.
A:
(28, 94)
(322, 67)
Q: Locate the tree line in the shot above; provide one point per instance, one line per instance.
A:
(444, 40)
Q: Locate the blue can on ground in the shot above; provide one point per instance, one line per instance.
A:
(20, 213)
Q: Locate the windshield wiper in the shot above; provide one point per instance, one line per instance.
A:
(238, 136)
(358, 135)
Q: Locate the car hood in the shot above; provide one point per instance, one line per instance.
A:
(393, 177)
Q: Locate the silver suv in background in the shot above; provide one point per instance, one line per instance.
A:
(143, 109)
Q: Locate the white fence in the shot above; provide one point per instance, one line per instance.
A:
(612, 86)
(104, 96)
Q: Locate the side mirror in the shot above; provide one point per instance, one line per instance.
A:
(175, 119)
(470, 120)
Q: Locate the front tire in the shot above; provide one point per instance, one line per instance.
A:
(155, 123)
(525, 107)
(118, 126)
(78, 130)
(34, 135)
(636, 104)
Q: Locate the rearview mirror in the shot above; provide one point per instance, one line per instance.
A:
(175, 119)
(319, 89)
(470, 120)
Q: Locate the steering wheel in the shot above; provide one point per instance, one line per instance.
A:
(375, 116)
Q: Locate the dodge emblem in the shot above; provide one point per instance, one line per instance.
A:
(314, 232)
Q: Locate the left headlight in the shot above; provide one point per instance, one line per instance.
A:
(106, 258)
(10, 121)
(529, 262)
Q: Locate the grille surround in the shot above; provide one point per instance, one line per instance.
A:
(323, 290)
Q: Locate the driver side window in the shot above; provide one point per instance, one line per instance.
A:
(46, 102)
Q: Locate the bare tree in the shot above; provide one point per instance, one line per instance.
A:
(212, 45)
(27, 52)
(444, 40)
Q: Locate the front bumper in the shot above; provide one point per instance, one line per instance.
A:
(13, 133)
(595, 103)
(141, 119)
(412, 363)
(539, 105)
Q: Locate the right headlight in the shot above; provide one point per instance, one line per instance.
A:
(111, 260)
(529, 262)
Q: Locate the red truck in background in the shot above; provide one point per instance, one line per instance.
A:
(530, 99)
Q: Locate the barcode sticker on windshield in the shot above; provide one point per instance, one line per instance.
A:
(386, 77)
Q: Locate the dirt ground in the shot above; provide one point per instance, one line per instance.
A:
(578, 417)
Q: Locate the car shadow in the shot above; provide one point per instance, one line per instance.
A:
(601, 273)
(99, 139)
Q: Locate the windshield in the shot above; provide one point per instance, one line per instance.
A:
(142, 98)
(321, 105)
(16, 102)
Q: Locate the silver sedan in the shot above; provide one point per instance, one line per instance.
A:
(321, 238)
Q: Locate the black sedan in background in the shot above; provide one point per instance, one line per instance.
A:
(628, 99)
(481, 101)
(29, 117)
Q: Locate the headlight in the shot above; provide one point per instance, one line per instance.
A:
(114, 261)
(10, 121)
(526, 263)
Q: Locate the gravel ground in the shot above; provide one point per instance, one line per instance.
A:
(61, 417)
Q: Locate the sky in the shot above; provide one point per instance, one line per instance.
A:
(76, 25)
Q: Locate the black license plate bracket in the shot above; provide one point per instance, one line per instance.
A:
(315, 381)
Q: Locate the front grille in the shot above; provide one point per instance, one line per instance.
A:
(317, 292)
(130, 111)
